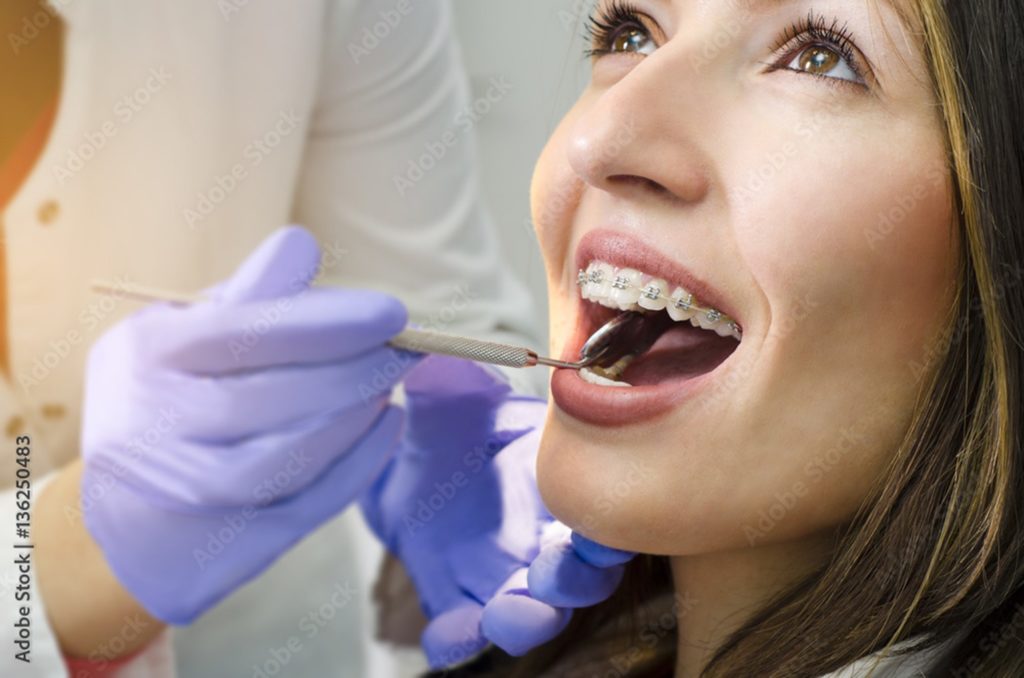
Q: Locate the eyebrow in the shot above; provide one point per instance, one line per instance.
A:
(897, 6)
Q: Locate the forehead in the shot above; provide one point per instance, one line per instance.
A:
(904, 10)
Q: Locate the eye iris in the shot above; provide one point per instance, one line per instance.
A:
(628, 40)
(818, 59)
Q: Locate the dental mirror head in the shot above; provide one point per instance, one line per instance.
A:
(617, 337)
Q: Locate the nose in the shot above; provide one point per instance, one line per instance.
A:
(639, 138)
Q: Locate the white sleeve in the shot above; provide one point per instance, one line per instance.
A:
(389, 182)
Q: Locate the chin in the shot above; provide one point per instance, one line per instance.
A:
(613, 494)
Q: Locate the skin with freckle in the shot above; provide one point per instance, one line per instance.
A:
(821, 209)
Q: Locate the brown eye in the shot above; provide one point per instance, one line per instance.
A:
(824, 61)
(818, 60)
(631, 39)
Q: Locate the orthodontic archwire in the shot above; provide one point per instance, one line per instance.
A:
(652, 292)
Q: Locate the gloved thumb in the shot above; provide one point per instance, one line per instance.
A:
(285, 263)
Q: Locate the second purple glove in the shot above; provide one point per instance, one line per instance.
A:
(459, 506)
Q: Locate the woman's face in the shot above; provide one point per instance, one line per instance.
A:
(786, 166)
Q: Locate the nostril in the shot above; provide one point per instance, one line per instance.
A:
(643, 183)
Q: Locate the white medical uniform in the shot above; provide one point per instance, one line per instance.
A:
(186, 132)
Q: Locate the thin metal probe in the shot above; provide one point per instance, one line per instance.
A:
(420, 340)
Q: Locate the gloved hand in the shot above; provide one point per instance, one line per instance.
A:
(535, 604)
(217, 435)
(459, 506)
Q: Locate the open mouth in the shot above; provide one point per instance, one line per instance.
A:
(679, 335)
(670, 335)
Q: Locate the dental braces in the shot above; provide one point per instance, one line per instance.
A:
(653, 292)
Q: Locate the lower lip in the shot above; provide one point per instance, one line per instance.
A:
(622, 405)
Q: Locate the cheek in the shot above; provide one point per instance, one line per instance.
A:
(853, 250)
(861, 242)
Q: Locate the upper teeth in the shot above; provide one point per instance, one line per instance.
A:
(630, 290)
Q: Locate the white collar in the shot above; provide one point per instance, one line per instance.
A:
(912, 665)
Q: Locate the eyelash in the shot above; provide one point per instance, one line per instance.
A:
(814, 29)
(606, 22)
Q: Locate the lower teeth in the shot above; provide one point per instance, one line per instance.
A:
(595, 376)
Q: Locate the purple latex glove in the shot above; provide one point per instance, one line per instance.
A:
(217, 435)
(535, 603)
(459, 507)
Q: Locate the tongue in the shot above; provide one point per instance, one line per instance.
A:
(681, 352)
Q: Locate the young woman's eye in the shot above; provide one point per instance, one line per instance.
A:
(823, 48)
(618, 28)
(824, 61)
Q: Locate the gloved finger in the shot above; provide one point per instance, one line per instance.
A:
(559, 577)
(283, 264)
(224, 409)
(337, 486)
(254, 471)
(523, 511)
(322, 324)
(481, 564)
(445, 376)
(454, 636)
(599, 555)
(516, 622)
(442, 388)
(435, 587)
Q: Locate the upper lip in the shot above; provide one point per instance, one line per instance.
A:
(627, 250)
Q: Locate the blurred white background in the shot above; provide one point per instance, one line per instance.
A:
(535, 46)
